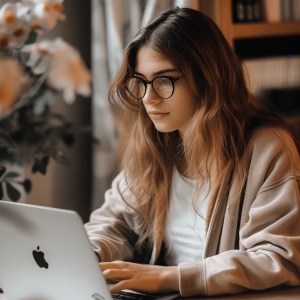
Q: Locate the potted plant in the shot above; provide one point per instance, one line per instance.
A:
(32, 74)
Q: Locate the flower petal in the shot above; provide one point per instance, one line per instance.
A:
(69, 94)
(21, 9)
(84, 90)
(42, 66)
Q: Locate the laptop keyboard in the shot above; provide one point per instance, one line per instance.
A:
(132, 296)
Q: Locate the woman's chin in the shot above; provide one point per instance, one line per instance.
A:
(164, 129)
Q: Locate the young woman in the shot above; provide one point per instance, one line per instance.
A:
(207, 201)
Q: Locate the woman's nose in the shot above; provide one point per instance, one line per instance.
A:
(151, 96)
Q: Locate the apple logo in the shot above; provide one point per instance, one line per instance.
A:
(39, 258)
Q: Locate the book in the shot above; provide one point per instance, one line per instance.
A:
(257, 10)
(249, 10)
(296, 10)
(272, 10)
(239, 12)
(277, 72)
(286, 10)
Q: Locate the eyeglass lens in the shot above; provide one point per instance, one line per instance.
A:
(162, 86)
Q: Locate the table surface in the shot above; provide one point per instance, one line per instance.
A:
(284, 294)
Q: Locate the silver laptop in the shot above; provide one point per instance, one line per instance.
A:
(45, 254)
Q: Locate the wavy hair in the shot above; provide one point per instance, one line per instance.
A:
(225, 114)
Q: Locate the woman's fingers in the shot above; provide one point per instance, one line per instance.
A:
(114, 265)
(143, 278)
(117, 274)
(118, 287)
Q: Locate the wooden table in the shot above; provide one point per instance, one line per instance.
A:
(285, 294)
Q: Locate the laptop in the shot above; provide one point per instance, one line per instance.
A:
(45, 254)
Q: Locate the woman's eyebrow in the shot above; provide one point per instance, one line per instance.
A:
(159, 72)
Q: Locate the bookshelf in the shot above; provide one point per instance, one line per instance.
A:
(234, 31)
(222, 13)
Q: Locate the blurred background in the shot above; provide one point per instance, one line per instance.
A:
(265, 34)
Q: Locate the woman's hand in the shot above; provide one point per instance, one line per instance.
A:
(142, 278)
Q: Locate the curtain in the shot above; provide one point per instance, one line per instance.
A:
(114, 24)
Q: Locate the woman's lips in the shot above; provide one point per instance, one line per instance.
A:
(157, 116)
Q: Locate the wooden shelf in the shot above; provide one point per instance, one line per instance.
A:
(253, 30)
(233, 31)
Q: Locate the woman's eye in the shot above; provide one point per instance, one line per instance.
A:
(165, 81)
(138, 82)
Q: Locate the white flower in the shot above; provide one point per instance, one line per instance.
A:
(39, 59)
(45, 14)
(67, 73)
(10, 82)
(14, 27)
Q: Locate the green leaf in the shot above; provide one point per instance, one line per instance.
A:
(27, 185)
(59, 156)
(2, 170)
(68, 139)
(83, 129)
(46, 99)
(16, 115)
(5, 144)
(47, 143)
(12, 175)
(32, 38)
(60, 153)
(40, 165)
(12, 192)
(45, 160)
(23, 57)
(1, 191)
(43, 128)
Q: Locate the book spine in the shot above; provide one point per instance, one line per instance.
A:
(276, 72)
(296, 10)
(286, 10)
(257, 10)
(272, 10)
(249, 10)
(239, 12)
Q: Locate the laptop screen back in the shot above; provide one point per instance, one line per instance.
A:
(45, 254)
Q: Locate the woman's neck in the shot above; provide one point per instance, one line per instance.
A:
(182, 168)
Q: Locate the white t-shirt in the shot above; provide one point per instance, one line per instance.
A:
(185, 230)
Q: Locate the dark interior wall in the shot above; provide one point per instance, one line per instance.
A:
(72, 185)
(64, 186)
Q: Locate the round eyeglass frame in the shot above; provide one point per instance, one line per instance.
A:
(146, 82)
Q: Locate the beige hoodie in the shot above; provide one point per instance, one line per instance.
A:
(263, 252)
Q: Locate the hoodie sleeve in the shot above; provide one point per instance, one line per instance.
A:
(110, 228)
(269, 251)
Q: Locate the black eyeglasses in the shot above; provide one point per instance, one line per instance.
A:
(163, 86)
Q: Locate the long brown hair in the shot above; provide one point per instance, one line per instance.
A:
(218, 132)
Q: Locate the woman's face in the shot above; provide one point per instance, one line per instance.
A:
(175, 111)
